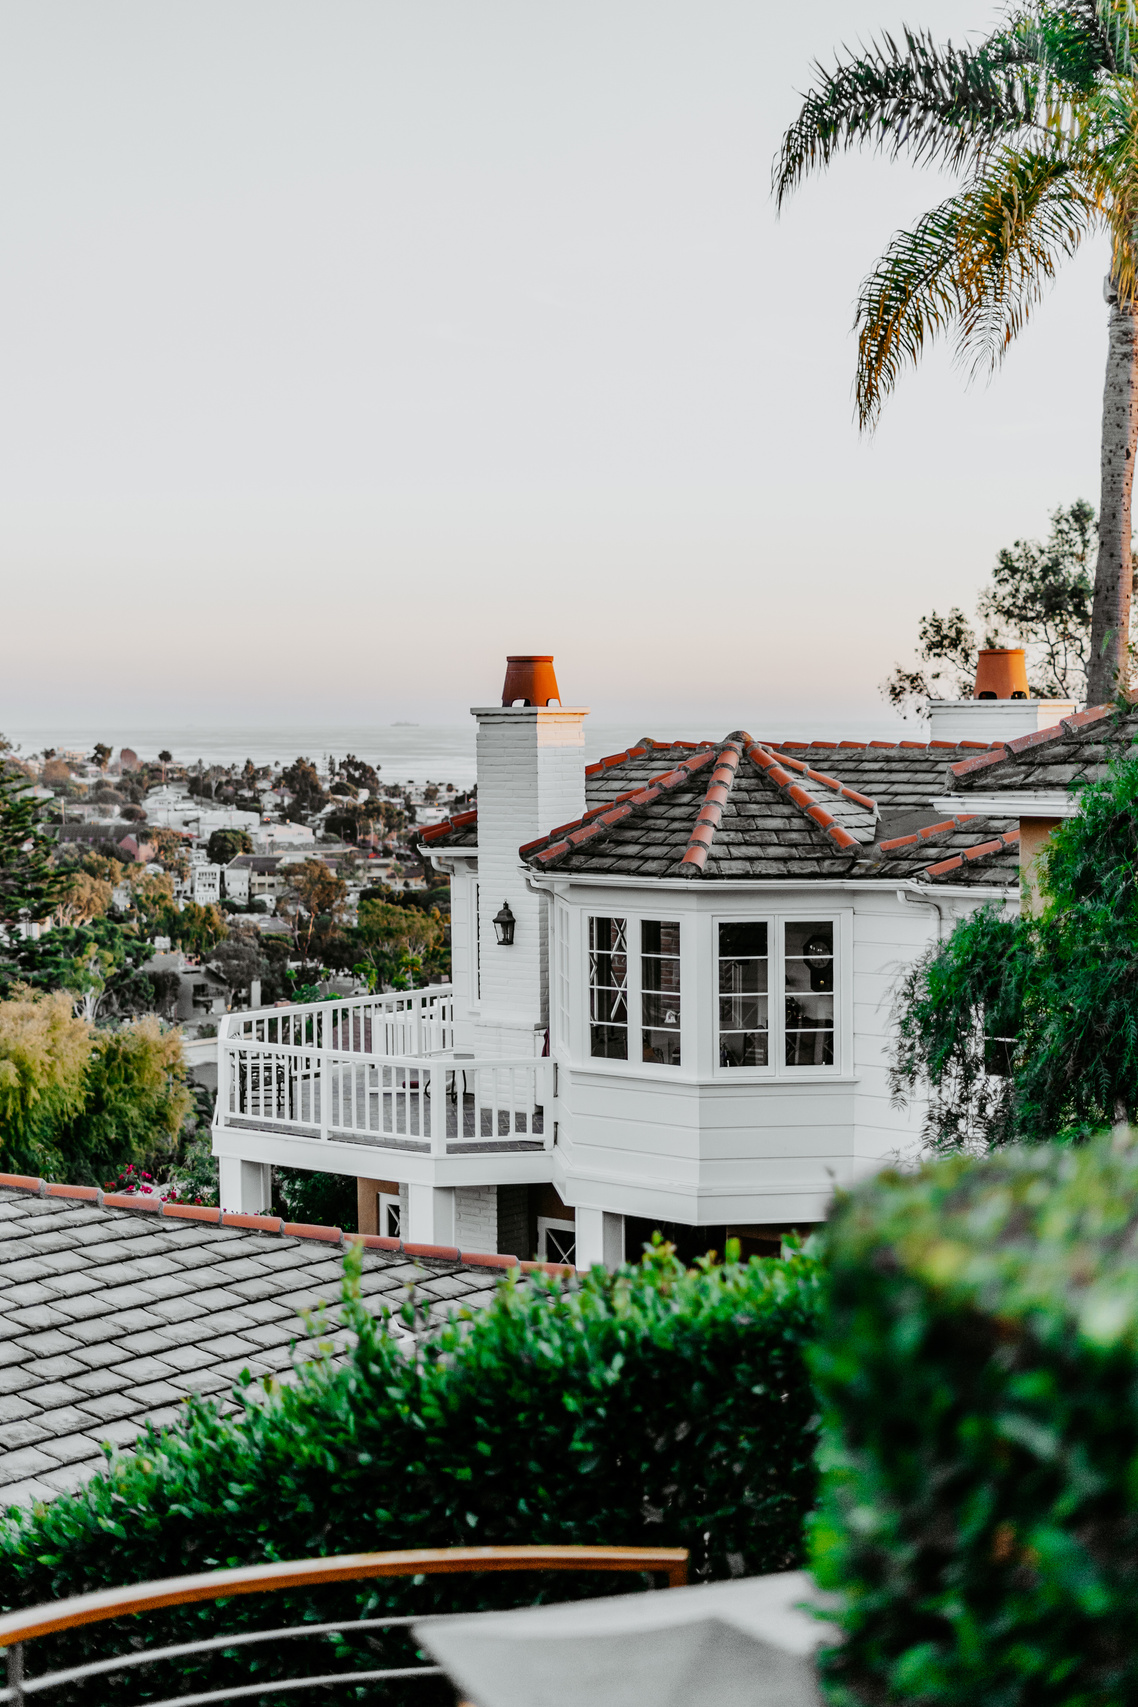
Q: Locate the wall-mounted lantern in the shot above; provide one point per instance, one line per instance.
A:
(504, 922)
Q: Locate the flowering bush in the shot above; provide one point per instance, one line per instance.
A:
(136, 1182)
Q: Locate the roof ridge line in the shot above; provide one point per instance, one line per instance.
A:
(598, 819)
(830, 782)
(997, 844)
(929, 830)
(1036, 738)
(715, 798)
(773, 768)
(459, 821)
(150, 1203)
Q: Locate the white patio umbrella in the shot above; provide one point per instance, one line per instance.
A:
(746, 1642)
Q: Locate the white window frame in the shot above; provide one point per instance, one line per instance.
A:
(561, 963)
(776, 921)
(547, 1224)
(632, 919)
(387, 1200)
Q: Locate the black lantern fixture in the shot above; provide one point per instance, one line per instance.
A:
(504, 922)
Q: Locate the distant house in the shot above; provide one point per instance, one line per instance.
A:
(263, 879)
(235, 879)
(205, 880)
(117, 831)
(202, 992)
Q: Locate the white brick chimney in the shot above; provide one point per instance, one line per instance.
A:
(531, 778)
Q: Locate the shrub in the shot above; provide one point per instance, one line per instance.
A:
(44, 1055)
(76, 1101)
(651, 1407)
(322, 1200)
(978, 1370)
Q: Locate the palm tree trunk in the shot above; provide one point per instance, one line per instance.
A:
(1109, 667)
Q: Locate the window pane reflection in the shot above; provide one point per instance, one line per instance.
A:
(660, 991)
(743, 1012)
(809, 987)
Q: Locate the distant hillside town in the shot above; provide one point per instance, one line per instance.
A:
(205, 887)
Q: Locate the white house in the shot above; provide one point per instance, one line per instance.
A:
(673, 974)
(237, 882)
(206, 882)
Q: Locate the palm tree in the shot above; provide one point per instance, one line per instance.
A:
(1042, 119)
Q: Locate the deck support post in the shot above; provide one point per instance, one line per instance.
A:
(600, 1238)
(245, 1186)
(430, 1215)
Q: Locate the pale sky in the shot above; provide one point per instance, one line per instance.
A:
(347, 345)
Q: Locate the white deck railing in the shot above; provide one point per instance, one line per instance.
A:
(378, 1070)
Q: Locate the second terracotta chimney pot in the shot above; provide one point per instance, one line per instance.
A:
(1001, 673)
(530, 679)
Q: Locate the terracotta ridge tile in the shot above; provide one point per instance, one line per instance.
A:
(711, 807)
(923, 835)
(968, 767)
(840, 836)
(460, 821)
(599, 818)
(998, 844)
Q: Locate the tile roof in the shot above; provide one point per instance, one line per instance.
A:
(740, 808)
(746, 809)
(111, 1315)
(1050, 761)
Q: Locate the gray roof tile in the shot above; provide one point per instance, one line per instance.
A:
(112, 1317)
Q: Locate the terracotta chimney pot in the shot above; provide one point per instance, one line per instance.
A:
(1001, 673)
(530, 679)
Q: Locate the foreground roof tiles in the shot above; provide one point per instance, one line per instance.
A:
(110, 1317)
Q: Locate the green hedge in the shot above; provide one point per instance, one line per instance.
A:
(653, 1407)
(979, 1374)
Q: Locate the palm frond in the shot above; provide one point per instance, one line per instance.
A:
(976, 265)
(931, 102)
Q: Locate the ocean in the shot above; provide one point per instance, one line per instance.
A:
(415, 752)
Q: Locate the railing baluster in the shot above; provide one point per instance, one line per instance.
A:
(16, 1674)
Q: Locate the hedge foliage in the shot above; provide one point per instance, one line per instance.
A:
(651, 1407)
(979, 1376)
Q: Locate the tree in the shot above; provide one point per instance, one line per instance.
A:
(94, 962)
(194, 929)
(29, 883)
(399, 944)
(101, 755)
(303, 783)
(165, 758)
(1024, 1028)
(1042, 118)
(1039, 597)
(314, 902)
(357, 773)
(224, 845)
(239, 959)
(171, 848)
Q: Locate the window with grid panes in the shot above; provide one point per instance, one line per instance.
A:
(660, 990)
(744, 1019)
(808, 989)
(608, 988)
